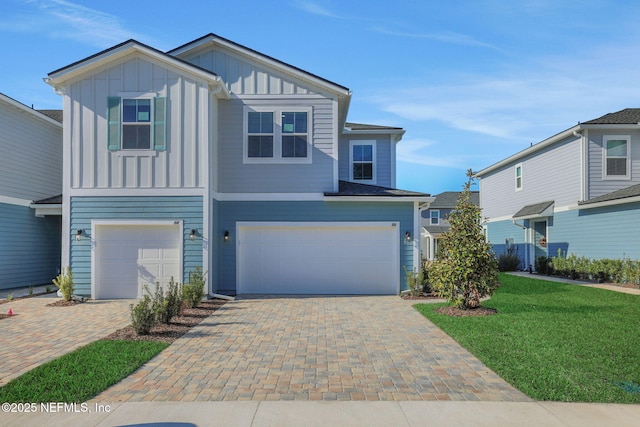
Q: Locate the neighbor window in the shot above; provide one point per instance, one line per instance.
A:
(435, 217)
(362, 155)
(136, 123)
(519, 177)
(616, 153)
(277, 135)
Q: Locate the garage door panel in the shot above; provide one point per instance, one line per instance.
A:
(128, 257)
(329, 259)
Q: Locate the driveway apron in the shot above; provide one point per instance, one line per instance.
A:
(314, 348)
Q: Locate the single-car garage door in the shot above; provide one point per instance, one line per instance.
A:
(318, 258)
(129, 256)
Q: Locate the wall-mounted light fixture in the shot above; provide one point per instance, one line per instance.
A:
(407, 236)
(193, 234)
(226, 236)
(79, 233)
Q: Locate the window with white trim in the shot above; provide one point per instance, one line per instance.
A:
(616, 156)
(362, 160)
(518, 171)
(277, 135)
(434, 215)
(136, 123)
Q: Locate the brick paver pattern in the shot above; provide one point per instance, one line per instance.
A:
(37, 333)
(315, 348)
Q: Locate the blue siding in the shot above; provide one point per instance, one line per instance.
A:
(85, 209)
(226, 214)
(29, 247)
(609, 232)
(503, 234)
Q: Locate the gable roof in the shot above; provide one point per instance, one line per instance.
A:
(629, 117)
(449, 199)
(213, 39)
(59, 77)
(35, 113)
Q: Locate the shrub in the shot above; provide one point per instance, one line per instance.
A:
(64, 281)
(193, 292)
(543, 265)
(415, 281)
(143, 315)
(168, 305)
(508, 262)
(467, 269)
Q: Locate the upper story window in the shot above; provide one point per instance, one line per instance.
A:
(434, 216)
(362, 158)
(519, 177)
(616, 157)
(136, 122)
(277, 135)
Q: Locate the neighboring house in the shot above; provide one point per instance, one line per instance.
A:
(215, 155)
(30, 171)
(577, 192)
(435, 223)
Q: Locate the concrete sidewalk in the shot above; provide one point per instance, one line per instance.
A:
(308, 414)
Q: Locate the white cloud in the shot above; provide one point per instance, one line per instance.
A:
(444, 37)
(424, 152)
(64, 19)
(314, 8)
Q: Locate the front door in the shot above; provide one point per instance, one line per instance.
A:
(540, 239)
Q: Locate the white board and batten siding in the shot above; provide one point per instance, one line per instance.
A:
(182, 165)
(246, 77)
(597, 184)
(553, 173)
(31, 160)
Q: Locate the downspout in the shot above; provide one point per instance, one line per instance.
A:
(527, 252)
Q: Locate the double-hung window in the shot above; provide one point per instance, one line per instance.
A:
(434, 215)
(362, 158)
(519, 177)
(616, 157)
(277, 135)
(136, 122)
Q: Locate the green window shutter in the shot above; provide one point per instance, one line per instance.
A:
(160, 123)
(113, 123)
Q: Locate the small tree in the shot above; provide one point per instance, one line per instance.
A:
(64, 281)
(467, 269)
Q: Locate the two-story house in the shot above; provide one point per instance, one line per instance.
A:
(30, 174)
(215, 155)
(435, 220)
(577, 192)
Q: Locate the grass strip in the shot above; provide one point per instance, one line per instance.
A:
(555, 341)
(82, 374)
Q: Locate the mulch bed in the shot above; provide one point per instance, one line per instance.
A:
(423, 296)
(174, 330)
(65, 303)
(6, 301)
(459, 312)
(6, 316)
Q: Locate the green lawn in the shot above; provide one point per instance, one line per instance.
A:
(78, 376)
(555, 341)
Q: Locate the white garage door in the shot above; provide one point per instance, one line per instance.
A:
(318, 258)
(127, 257)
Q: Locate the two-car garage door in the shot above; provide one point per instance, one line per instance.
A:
(317, 258)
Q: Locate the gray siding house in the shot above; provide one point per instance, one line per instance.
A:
(30, 174)
(216, 155)
(577, 192)
(435, 223)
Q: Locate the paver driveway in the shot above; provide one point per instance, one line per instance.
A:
(316, 348)
(39, 333)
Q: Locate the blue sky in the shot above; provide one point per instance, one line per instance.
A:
(472, 82)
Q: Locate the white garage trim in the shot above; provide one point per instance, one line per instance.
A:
(385, 257)
(96, 224)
